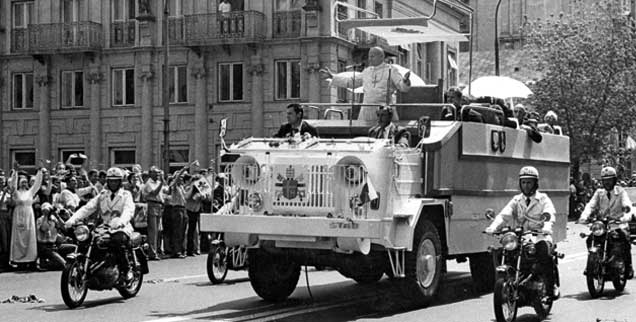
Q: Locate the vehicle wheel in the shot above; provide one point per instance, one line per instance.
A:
(369, 277)
(482, 269)
(423, 265)
(595, 279)
(135, 285)
(504, 301)
(543, 306)
(273, 277)
(73, 285)
(619, 281)
(217, 263)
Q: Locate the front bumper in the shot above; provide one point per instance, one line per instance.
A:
(292, 226)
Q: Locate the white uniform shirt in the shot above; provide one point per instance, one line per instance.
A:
(516, 213)
(121, 207)
(609, 207)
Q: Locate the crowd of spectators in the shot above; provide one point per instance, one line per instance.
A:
(33, 208)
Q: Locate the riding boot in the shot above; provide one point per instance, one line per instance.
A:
(629, 270)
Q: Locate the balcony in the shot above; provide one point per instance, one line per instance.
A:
(176, 31)
(286, 24)
(224, 29)
(123, 33)
(58, 38)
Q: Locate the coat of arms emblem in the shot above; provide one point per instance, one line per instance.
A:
(291, 186)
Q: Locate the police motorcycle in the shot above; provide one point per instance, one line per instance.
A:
(605, 259)
(518, 281)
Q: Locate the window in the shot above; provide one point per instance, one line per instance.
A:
(23, 90)
(230, 82)
(179, 157)
(123, 86)
(287, 79)
(124, 10)
(379, 8)
(178, 81)
(452, 69)
(286, 5)
(342, 92)
(22, 14)
(75, 160)
(175, 8)
(362, 4)
(70, 10)
(25, 158)
(123, 157)
(72, 87)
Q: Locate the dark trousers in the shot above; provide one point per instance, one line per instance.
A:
(120, 242)
(155, 211)
(5, 238)
(174, 229)
(52, 255)
(544, 256)
(192, 232)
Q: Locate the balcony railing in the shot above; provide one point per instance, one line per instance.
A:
(224, 28)
(65, 37)
(286, 24)
(123, 33)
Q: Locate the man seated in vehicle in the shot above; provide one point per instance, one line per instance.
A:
(526, 210)
(116, 208)
(385, 129)
(612, 201)
(295, 124)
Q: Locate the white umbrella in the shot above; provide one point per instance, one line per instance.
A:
(497, 86)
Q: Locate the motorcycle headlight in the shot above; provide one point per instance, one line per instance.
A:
(510, 241)
(81, 233)
(255, 201)
(598, 229)
(354, 174)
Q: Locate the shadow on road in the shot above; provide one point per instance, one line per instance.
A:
(226, 282)
(342, 301)
(87, 305)
(585, 296)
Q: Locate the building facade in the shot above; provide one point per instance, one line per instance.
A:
(85, 76)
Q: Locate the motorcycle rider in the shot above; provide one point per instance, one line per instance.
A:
(116, 208)
(526, 209)
(612, 201)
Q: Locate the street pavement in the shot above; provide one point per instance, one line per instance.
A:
(178, 290)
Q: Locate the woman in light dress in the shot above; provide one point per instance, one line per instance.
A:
(23, 239)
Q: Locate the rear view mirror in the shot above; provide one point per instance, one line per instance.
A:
(545, 216)
(424, 126)
(490, 214)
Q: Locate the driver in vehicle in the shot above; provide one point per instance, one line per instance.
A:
(295, 124)
(116, 208)
(612, 201)
(528, 210)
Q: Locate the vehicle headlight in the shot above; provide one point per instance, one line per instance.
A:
(81, 233)
(255, 201)
(598, 229)
(354, 174)
(246, 171)
(510, 241)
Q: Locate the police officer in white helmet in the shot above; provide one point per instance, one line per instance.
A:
(116, 208)
(612, 201)
(528, 209)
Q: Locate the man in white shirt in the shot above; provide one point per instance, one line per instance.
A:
(225, 7)
(151, 193)
(374, 81)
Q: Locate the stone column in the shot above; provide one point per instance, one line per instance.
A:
(258, 112)
(313, 73)
(146, 117)
(44, 142)
(95, 78)
(200, 116)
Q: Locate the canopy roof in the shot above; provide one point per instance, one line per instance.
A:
(404, 31)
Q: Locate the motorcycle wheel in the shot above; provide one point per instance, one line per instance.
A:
(543, 308)
(73, 285)
(505, 304)
(133, 288)
(595, 279)
(216, 265)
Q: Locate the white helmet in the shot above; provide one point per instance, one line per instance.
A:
(608, 173)
(528, 172)
(114, 174)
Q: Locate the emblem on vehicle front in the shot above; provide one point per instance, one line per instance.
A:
(291, 187)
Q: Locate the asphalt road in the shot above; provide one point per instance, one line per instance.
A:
(178, 290)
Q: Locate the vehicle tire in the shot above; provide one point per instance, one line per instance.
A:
(620, 281)
(595, 279)
(543, 308)
(482, 269)
(73, 285)
(423, 265)
(369, 277)
(216, 264)
(133, 288)
(273, 277)
(503, 300)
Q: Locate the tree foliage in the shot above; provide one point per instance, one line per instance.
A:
(588, 61)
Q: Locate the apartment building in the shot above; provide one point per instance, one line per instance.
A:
(86, 75)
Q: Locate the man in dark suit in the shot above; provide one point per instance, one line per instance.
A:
(295, 124)
(385, 129)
